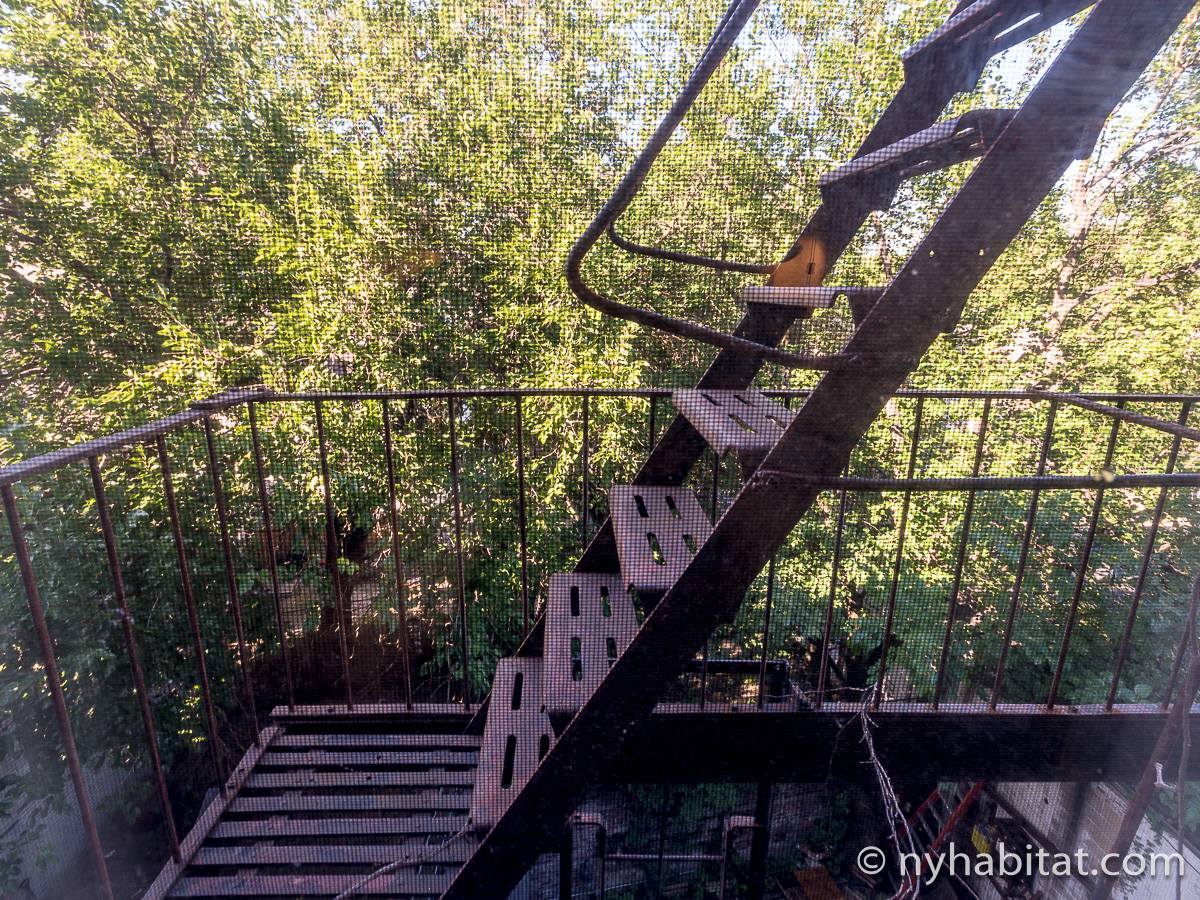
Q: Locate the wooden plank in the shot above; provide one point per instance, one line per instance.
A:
(306, 778)
(210, 817)
(308, 885)
(279, 827)
(414, 853)
(305, 759)
(343, 803)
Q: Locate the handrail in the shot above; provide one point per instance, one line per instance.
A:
(731, 26)
(708, 262)
(15, 472)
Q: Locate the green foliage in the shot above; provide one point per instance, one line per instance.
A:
(335, 194)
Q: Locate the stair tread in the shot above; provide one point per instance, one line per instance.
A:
(819, 297)
(576, 610)
(397, 884)
(516, 714)
(742, 421)
(671, 517)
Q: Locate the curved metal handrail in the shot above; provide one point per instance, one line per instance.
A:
(709, 262)
(732, 23)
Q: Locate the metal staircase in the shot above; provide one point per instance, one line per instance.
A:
(660, 576)
(689, 574)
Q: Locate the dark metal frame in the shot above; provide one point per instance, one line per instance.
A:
(1073, 99)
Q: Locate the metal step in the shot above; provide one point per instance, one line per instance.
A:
(590, 620)
(744, 422)
(322, 805)
(658, 530)
(873, 179)
(516, 737)
(962, 46)
(861, 299)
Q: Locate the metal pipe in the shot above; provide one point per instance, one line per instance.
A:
(708, 262)
(760, 841)
(716, 483)
(1168, 738)
(189, 602)
(54, 684)
(458, 555)
(11, 474)
(1144, 567)
(397, 560)
(735, 20)
(586, 462)
(653, 425)
(131, 652)
(1127, 415)
(961, 559)
(264, 501)
(522, 520)
(985, 483)
(901, 530)
(762, 666)
(566, 864)
(235, 600)
(1022, 560)
(1084, 560)
(331, 541)
(827, 633)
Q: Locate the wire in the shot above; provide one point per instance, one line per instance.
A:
(400, 864)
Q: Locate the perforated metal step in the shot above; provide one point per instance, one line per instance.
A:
(874, 178)
(589, 622)
(318, 806)
(861, 299)
(744, 422)
(515, 738)
(658, 530)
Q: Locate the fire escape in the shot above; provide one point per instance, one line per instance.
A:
(473, 800)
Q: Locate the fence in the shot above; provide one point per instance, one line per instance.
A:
(264, 549)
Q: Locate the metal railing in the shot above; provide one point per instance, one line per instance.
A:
(544, 470)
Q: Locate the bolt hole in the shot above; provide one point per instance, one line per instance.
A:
(655, 548)
(510, 758)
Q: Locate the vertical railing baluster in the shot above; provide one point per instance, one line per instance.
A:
(264, 501)
(54, 684)
(397, 563)
(583, 515)
(766, 640)
(522, 517)
(189, 602)
(653, 433)
(770, 602)
(827, 633)
(1023, 558)
(1144, 567)
(131, 651)
(456, 490)
(898, 563)
(235, 599)
(961, 559)
(716, 483)
(332, 555)
(1084, 561)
